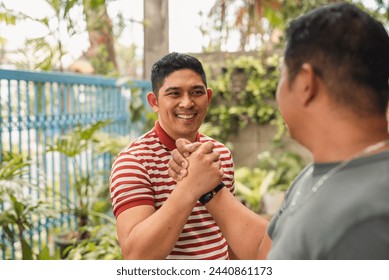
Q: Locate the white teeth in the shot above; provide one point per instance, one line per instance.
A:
(185, 116)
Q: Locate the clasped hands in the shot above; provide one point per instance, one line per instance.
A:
(195, 166)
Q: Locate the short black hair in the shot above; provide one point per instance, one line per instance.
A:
(172, 62)
(349, 51)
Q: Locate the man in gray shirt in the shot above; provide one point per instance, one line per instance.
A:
(333, 95)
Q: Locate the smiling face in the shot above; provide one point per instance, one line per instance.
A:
(182, 103)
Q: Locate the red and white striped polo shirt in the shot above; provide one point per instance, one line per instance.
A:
(139, 176)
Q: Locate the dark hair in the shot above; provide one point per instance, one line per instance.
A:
(171, 63)
(349, 51)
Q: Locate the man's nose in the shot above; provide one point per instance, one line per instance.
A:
(186, 101)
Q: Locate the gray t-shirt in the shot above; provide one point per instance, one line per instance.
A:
(347, 218)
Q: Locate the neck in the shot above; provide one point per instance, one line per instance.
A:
(339, 143)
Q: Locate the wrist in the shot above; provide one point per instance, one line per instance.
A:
(186, 194)
(205, 198)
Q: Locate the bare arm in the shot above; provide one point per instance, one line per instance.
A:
(243, 229)
(148, 234)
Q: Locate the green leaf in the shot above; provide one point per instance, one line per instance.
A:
(69, 6)
(26, 250)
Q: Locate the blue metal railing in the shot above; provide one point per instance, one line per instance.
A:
(37, 107)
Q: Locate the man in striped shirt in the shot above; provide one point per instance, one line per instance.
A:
(158, 218)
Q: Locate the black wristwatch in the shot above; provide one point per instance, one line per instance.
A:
(209, 195)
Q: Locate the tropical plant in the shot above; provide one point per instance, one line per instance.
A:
(103, 246)
(86, 187)
(48, 51)
(251, 185)
(88, 201)
(21, 211)
(274, 172)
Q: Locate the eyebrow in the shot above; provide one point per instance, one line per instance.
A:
(192, 88)
(171, 88)
(199, 87)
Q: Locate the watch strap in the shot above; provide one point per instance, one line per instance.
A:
(209, 195)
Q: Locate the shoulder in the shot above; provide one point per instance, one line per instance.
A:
(145, 143)
(355, 200)
(145, 146)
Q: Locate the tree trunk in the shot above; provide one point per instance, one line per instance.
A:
(101, 40)
(156, 33)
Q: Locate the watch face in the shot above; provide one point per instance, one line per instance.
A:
(206, 197)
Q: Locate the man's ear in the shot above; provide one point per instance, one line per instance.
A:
(308, 84)
(153, 101)
(209, 94)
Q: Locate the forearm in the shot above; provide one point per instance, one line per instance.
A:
(243, 229)
(156, 235)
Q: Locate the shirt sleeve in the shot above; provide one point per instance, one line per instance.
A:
(129, 184)
(368, 240)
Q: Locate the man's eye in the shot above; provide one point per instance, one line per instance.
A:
(198, 92)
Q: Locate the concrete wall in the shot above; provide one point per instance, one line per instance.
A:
(255, 139)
